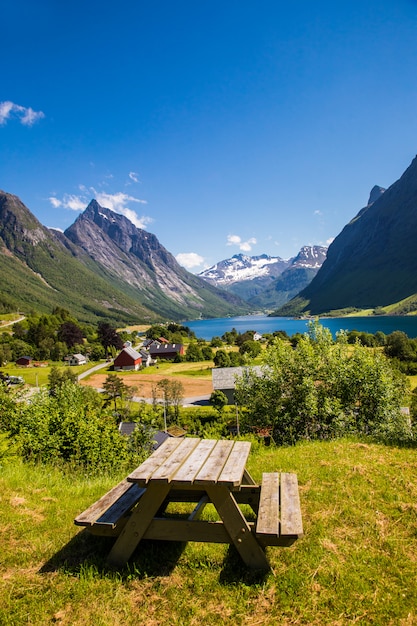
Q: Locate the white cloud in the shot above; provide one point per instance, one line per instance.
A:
(26, 115)
(317, 212)
(329, 241)
(69, 201)
(135, 177)
(55, 202)
(244, 246)
(189, 260)
(117, 202)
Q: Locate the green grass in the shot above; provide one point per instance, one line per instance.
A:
(356, 563)
(38, 376)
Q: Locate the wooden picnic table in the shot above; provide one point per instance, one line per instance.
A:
(200, 471)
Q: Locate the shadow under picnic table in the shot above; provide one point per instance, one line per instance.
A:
(153, 558)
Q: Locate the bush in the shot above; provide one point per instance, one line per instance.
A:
(69, 427)
(322, 389)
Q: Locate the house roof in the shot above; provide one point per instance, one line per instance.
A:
(159, 436)
(78, 356)
(132, 353)
(225, 377)
(165, 347)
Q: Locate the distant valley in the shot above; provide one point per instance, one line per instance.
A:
(103, 267)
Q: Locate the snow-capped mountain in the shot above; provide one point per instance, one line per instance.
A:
(242, 267)
(265, 281)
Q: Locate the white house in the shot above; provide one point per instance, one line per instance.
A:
(77, 359)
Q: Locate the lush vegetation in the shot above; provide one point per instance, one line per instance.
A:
(323, 389)
(54, 336)
(60, 450)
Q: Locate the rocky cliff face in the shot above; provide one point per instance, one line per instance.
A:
(136, 257)
(373, 261)
(101, 266)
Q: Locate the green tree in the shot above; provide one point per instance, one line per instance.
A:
(59, 377)
(108, 337)
(251, 348)
(171, 393)
(219, 400)
(70, 333)
(193, 353)
(322, 389)
(221, 359)
(114, 388)
(207, 353)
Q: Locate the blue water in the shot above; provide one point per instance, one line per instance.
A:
(206, 329)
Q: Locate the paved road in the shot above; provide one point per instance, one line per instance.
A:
(100, 366)
(4, 324)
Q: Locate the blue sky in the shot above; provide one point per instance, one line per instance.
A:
(220, 126)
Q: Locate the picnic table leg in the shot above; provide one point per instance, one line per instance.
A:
(138, 523)
(237, 527)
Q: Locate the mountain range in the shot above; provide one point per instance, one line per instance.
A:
(263, 281)
(372, 263)
(101, 267)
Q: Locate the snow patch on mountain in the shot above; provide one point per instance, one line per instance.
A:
(242, 267)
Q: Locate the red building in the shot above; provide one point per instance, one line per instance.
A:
(128, 359)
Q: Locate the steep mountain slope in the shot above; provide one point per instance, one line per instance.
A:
(41, 269)
(298, 275)
(373, 262)
(39, 273)
(264, 281)
(135, 261)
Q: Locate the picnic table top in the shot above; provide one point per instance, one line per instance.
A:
(185, 462)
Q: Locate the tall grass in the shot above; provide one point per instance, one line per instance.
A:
(357, 562)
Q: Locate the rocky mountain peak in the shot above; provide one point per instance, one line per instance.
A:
(376, 192)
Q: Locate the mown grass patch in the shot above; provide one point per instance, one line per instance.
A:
(38, 376)
(356, 563)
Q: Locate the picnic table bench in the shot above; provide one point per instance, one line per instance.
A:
(198, 471)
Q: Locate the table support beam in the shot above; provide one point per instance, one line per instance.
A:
(139, 521)
(237, 527)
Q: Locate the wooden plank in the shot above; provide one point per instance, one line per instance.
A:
(237, 527)
(268, 513)
(137, 524)
(143, 473)
(198, 510)
(291, 520)
(190, 468)
(161, 529)
(119, 509)
(167, 470)
(234, 467)
(89, 516)
(213, 466)
(247, 478)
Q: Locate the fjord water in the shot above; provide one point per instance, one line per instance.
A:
(206, 329)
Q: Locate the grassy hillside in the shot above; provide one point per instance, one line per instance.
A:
(355, 564)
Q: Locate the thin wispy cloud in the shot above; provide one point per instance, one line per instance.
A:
(134, 176)
(190, 260)
(25, 115)
(117, 202)
(244, 246)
